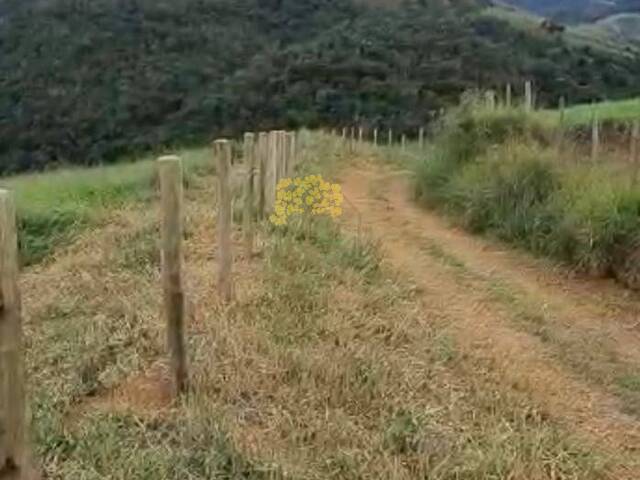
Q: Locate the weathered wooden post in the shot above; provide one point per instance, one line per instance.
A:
(375, 137)
(261, 161)
(560, 133)
(281, 158)
(360, 135)
(14, 462)
(595, 137)
(225, 219)
(404, 142)
(633, 141)
(507, 96)
(421, 137)
(390, 139)
(271, 175)
(344, 134)
(249, 153)
(528, 96)
(292, 156)
(491, 99)
(171, 193)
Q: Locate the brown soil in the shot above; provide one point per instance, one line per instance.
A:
(483, 326)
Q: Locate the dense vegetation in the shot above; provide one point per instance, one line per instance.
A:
(500, 172)
(88, 82)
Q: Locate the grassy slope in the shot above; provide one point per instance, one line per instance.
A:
(613, 111)
(54, 206)
(318, 371)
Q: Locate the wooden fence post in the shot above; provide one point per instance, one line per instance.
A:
(507, 98)
(560, 134)
(344, 134)
(404, 142)
(225, 219)
(491, 100)
(528, 96)
(595, 138)
(270, 177)
(390, 139)
(421, 137)
(13, 412)
(633, 141)
(249, 153)
(360, 135)
(262, 154)
(375, 137)
(171, 193)
(292, 156)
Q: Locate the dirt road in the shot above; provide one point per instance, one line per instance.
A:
(571, 345)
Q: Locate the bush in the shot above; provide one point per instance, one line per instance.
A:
(495, 173)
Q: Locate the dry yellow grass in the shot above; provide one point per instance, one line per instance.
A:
(328, 365)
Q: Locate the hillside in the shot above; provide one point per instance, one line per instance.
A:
(87, 83)
(575, 11)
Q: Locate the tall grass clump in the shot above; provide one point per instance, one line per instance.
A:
(495, 172)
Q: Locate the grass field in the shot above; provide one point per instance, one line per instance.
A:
(580, 115)
(53, 206)
(330, 363)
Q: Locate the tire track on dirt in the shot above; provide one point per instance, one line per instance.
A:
(481, 326)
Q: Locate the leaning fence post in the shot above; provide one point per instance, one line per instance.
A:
(249, 153)
(225, 218)
(13, 412)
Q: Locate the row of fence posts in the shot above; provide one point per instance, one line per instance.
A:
(633, 127)
(267, 157)
(348, 137)
(529, 105)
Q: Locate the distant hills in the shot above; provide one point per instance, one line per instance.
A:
(89, 82)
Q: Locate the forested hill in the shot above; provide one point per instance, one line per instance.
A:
(89, 81)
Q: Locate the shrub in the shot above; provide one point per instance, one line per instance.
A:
(494, 172)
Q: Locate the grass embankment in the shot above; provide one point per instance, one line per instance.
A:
(54, 206)
(324, 367)
(500, 172)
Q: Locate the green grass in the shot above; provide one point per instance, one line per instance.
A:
(54, 206)
(582, 115)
